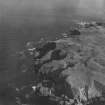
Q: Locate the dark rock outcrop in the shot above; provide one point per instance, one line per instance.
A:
(58, 54)
(46, 48)
(74, 32)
